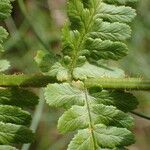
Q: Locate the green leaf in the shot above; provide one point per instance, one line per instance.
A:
(110, 31)
(105, 49)
(70, 39)
(1, 48)
(92, 71)
(77, 117)
(59, 71)
(76, 13)
(124, 101)
(114, 13)
(3, 36)
(105, 137)
(12, 114)
(87, 19)
(63, 95)
(121, 2)
(10, 133)
(6, 147)
(18, 97)
(5, 9)
(117, 148)
(4, 65)
(44, 60)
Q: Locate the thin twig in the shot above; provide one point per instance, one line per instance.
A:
(140, 115)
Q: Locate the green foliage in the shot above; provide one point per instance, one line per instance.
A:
(5, 9)
(3, 36)
(4, 65)
(18, 97)
(14, 121)
(44, 61)
(61, 95)
(109, 137)
(11, 133)
(96, 31)
(121, 2)
(10, 114)
(5, 147)
(77, 118)
(124, 101)
(93, 71)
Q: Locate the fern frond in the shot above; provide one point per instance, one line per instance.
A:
(5, 9)
(97, 31)
(93, 30)
(14, 121)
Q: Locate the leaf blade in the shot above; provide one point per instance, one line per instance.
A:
(77, 118)
(18, 97)
(11, 114)
(10, 133)
(106, 137)
(5, 9)
(92, 71)
(62, 95)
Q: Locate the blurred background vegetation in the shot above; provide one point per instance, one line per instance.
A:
(40, 28)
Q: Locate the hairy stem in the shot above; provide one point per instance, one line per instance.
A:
(25, 80)
(91, 127)
(119, 84)
(105, 83)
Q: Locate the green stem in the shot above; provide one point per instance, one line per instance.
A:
(36, 118)
(29, 20)
(38, 81)
(91, 127)
(119, 84)
(25, 80)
